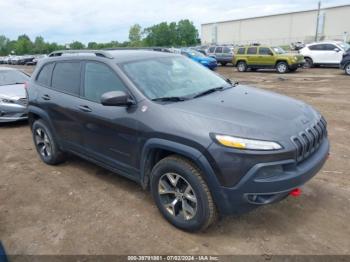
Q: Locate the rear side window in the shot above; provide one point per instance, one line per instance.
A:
(315, 47)
(99, 79)
(218, 49)
(264, 51)
(241, 51)
(44, 77)
(66, 77)
(251, 51)
(226, 50)
(211, 49)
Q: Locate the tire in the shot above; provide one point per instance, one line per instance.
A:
(223, 63)
(194, 209)
(45, 144)
(308, 62)
(282, 67)
(347, 69)
(242, 66)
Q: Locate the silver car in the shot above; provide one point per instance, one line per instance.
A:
(13, 95)
(222, 54)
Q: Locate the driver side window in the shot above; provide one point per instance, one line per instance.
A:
(99, 79)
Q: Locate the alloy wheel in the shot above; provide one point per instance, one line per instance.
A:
(347, 69)
(177, 196)
(43, 143)
(282, 68)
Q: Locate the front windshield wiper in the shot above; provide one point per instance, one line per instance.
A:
(212, 90)
(169, 98)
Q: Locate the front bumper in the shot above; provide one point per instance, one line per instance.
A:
(12, 113)
(270, 182)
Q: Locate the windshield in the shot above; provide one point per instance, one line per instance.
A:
(278, 50)
(345, 46)
(194, 53)
(10, 77)
(174, 76)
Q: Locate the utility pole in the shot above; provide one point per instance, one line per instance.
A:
(318, 20)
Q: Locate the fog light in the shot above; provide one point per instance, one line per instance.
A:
(296, 192)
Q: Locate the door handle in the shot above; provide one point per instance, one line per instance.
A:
(46, 97)
(84, 108)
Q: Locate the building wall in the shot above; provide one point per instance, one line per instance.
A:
(279, 29)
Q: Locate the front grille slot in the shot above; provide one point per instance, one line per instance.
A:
(307, 141)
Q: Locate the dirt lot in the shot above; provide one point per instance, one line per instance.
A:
(79, 208)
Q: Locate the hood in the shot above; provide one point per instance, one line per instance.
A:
(247, 112)
(13, 91)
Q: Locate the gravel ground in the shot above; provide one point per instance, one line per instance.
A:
(80, 208)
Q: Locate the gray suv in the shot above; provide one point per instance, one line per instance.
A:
(203, 145)
(222, 54)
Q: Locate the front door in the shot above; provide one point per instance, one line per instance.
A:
(110, 133)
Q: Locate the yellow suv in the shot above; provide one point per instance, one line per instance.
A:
(258, 57)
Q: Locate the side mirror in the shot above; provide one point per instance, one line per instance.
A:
(116, 98)
(336, 49)
(271, 54)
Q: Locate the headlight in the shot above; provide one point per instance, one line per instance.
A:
(244, 143)
(4, 100)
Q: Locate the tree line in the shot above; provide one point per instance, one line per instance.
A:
(176, 34)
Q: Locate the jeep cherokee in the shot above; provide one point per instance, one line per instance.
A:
(202, 144)
(265, 57)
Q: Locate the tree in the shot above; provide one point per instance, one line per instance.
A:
(23, 45)
(4, 45)
(187, 34)
(76, 45)
(159, 35)
(135, 35)
(92, 45)
(39, 45)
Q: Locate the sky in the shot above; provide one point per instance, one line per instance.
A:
(66, 21)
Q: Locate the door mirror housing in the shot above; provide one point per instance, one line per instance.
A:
(336, 49)
(116, 98)
(271, 54)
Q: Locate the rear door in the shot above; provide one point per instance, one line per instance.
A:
(59, 99)
(332, 53)
(252, 57)
(110, 133)
(218, 53)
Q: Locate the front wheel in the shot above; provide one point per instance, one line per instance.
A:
(242, 66)
(181, 194)
(308, 63)
(282, 67)
(347, 69)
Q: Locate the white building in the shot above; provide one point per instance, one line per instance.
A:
(281, 29)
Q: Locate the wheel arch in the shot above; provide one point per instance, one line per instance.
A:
(156, 149)
(241, 60)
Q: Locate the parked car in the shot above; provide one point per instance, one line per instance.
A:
(204, 60)
(328, 53)
(36, 59)
(222, 54)
(23, 60)
(13, 96)
(202, 144)
(262, 57)
(345, 62)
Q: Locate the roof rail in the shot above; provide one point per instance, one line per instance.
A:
(82, 52)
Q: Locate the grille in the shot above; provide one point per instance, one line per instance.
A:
(22, 102)
(308, 141)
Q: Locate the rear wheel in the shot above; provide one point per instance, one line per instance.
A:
(45, 144)
(242, 66)
(282, 67)
(347, 69)
(308, 62)
(181, 194)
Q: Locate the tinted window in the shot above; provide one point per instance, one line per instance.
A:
(211, 49)
(328, 47)
(66, 77)
(264, 51)
(226, 50)
(251, 50)
(218, 50)
(100, 79)
(241, 51)
(315, 47)
(44, 77)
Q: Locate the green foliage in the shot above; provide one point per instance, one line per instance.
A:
(135, 35)
(182, 33)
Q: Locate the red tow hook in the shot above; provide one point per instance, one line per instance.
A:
(295, 192)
